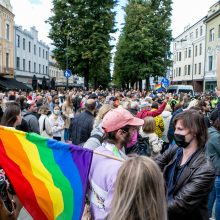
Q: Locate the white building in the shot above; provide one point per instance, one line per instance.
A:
(212, 22)
(189, 56)
(31, 56)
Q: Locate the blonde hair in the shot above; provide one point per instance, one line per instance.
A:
(149, 125)
(102, 111)
(139, 191)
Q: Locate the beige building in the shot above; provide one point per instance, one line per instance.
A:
(189, 56)
(6, 39)
(212, 22)
(56, 73)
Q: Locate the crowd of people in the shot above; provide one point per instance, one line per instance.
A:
(162, 150)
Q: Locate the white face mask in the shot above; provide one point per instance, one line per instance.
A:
(56, 112)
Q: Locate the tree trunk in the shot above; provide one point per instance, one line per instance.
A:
(140, 85)
(86, 79)
(147, 83)
(95, 83)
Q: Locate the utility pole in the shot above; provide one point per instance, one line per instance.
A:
(67, 62)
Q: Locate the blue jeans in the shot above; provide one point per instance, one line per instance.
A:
(212, 197)
(217, 189)
(66, 134)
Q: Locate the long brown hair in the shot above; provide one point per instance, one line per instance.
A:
(139, 192)
(10, 115)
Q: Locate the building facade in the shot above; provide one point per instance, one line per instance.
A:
(212, 22)
(58, 74)
(31, 56)
(6, 39)
(189, 56)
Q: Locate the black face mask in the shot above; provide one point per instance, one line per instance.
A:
(181, 141)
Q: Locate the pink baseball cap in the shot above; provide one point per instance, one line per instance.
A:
(118, 118)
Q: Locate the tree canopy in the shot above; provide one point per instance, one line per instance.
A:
(81, 33)
(143, 49)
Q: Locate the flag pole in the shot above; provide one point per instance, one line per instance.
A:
(109, 156)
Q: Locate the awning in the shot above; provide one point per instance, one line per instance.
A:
(11, 83)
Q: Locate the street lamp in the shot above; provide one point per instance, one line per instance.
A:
(67, 61)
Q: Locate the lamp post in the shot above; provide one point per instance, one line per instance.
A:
(67, 61)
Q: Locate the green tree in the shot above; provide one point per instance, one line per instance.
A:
(144, 45)
(81, 33)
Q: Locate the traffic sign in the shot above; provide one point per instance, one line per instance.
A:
(67, 73)
(165, 81)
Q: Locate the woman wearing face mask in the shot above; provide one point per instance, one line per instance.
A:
(189, 175)
(56, 123)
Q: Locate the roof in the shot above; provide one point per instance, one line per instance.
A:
(11, 83)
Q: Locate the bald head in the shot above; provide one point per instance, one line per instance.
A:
(90, 104)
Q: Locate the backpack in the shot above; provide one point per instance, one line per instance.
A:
(142, 147)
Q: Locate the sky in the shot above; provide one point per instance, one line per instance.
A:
(30, 13)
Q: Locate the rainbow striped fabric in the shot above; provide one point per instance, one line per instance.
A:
(158, 86)
(49, 177)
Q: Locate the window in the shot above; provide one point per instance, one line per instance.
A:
(23, 43)
(7, 61)
(195, 68)
(200, 49)
(35, 67)
(18, 63)
(200, 68)
(189, 69)
(43, 69)
(43, 53)
(219, 31)
(39, 68)
(185, 70)
(210, 63)
(196, 50)
(34, 49)
(186, 53)
(189, 55)
(18, 40)
(29, 47)
(201, 30)
(46, 55)
(197, 33)
(24, 64)
(191, 36)
(46, 70)
(211, 35)
(179, 71)
(29, 66)
(39, 51)
(7, 31)
(179, 56)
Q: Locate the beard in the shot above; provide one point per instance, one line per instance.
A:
(126, 140)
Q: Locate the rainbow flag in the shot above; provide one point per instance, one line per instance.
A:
(158, 86)
(49, 177)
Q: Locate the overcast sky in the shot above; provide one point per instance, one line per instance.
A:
(34, 13)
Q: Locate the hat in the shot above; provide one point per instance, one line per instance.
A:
(145, 104)
(31, 102)
(118, 118)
